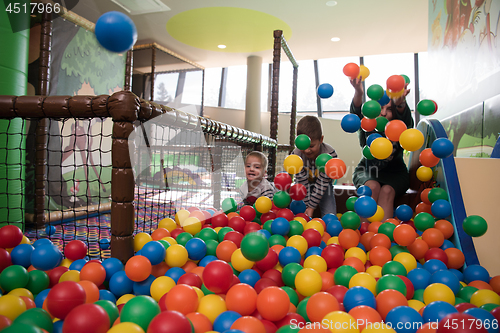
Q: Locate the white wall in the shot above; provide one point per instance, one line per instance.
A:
(346, 144)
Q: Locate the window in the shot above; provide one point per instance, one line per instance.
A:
(212, 86)
(236, 87)
(192, 88)
(264, 89)
(165, 87)
(423, 77)
(331, 71)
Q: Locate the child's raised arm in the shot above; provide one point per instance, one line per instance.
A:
(357, 83)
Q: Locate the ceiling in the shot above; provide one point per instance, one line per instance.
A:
(191, 28)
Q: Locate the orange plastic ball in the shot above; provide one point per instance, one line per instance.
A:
(91, 291)
(479, 284)
(418, 248)
(182, 298)
(456, 258)
(351, 70)
(138, 268)
(225, 250)
(327, 280)
(159, 269)
(395, 83)
(388, 299)
(404, 234)
(379, 255)
(424, 196)
(423, 208)
(368, 124)
(433, 237)
(354, 262)
(348, 238)
(160, 233)
(320, 304)
(241, 298)
(427, 158)
(365, 239)
(249, 324)
(495, 283)
(335, 168)
(429, 327)
(200, 322)
(394, 128)
(380, 240)
(445, 227)
(365, 314)
(93, 271)
(273, 303)
(373, 227)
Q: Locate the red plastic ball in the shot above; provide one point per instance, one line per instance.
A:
(436, 253)
(267, 216)
(219, 220)
(274, 275)
(170, 322)
(55, 274)
(235, 237)
(304, 216)
(5, 259)
(312, 236)
(251, 227)
(75, 249)
(190, 279)
(217, 276)
(176, 232)
(248, 213)
(64, 297)
(10, 236)
(333, 255)
(238, 224)
(291, 318)
(297, 192)
(87, 317)
(338, 291)
(445, 325)
(264, 283)
(283, 181)
(285, 213)
(269, 261)
(410, 290)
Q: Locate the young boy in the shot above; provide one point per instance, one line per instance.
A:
(319, 185)
(256, 185)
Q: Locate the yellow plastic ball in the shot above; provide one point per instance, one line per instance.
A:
(11, 306)
(375, 271)
(407, 260)
(168, 224)
(298, 242)
(293, 164)
(71, 275)
(25, 240)
(333, 240)
(211, 306)
(169, 240)
(124, 299)
(160, 286)
(485, 296)
(364, 72)
(411, 139)
(381, 148)
(191, 225)
(181, 215)
(140, 239)
(308, 282)
(316, 225)
(378, 216)
(263, 204)
(378, 328)
(424, 174)
(177, 255)
(21, 292)
(316, 262)
(239, 262)
(126, 327)
(340, 322)
(66, 262)
(199, 292)
(415, 304)
(364, 279)
(357, 253)
(396, 94)
(301, 220)
(438, 292)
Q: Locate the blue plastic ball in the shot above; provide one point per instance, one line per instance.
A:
(441, 209)
(288, 255)
(384, 100)
(446, 245)
(208, 259)
(249, 276)
(225, 320)
(298, 206)
(358, 295)
(115, 31)
(313, 250)
(458, 274)
(42, 241)
(350, 123)
(111, 266)
(196, 248)
(120, 284)
(58, 326)
(487, 319)
(78, 264)
(175, 273)
(435, 311)
(50, 230)
(372, 137)
(442, 147)
(447, 278)
(280, 226)
(327, 218)
(476, 272)
(361, 246)
(325, 90)
(266, 233)
(40, 298)
(21, 255)
(404, 319)
(404, 212)
(365, 206)
(104, 243)
(107, 295)
(434, 265)
(154, 251)
(333, 228)
(364, 190)
(46, 257)
(143, 287)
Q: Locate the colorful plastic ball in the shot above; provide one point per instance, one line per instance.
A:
(140, 310)
(13, 277)
(381, 123)
(115, 31)
(404, 212)
(229, 205)
(154, 251)
(364, 190)
(436, 311)
(104, 243)
(348, 238)
(196, 248)
(372, 138)
(35, 317)
(394, 129)
(248, 324)
(224, 321)
(280, 226)
(358, 295)
(427, 158)
(140, 239)
(437, 193)
(424, 174)
(404, 234)
(375, 92)
(407, 260)
(218, 276)
(111, 266)
(273, 303)
(182, 298)
(21, 255)
(368, 124)
(404, 319)
(335, 168)
(281, 199)
(325, 90)
(94, 272)
(394, 268)
(395, 82)
(426, 107)
(390, 281)
(442, 148)
(138, 268)
(282, 181)
(176, 256)
(254, 246)
(423, 221)
(457, 323)
(384, 100)
(476, 272)
(371, 109)
(485, 296)
(350, 123)
(343, 275)
(46, 257)
(64, 297)
(438, 292)
(262, 205)
(365, 206)
(381, 148)
(475, 225)
(308, 282)
(364, 72)
(411, 139)
(293, 164)
(50, 230)
(389, 299)
(419, 277)
(351, 70)
(175, 273)
(441, 208)
(10, 236)
(320, 304)
(302, 141)
(297, 206)
(170, 322)
(289, 255)
(321, 161)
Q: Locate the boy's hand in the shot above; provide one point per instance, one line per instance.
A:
(357, 83)
(401, 100)
(309, 211)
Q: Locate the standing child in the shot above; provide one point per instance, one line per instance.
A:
(319, 185)
(256, 184)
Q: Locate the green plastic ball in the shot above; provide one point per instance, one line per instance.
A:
(277, 240)
(390, 281)
(375, 92)
(488, 306)
(281, 199)
(419, 295)
(183, 238)
(343, 275)
(367, 153)
(140, 310)
(254, 246)
(381, 123)
(37, 281)
(321, 161)
(12, 277)
(301, 310)
(396, 249)
(437, 193)
(349, 204)
(296, 228)
(394, 268)
(407, 79)
(424, 221)
(207, 234)
(474, 226)
(292, 295)
(426, 107)
(38, 318)
(222, 233)
(350, 220)
(289, 272)
(229, 205)
(371, 109)
(302, 141)
(110, 308)
(466, 293)
(211, 245)
(387, 229)
(165, 244)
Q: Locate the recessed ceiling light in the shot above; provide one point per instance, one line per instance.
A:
(335, 39)
(331, 3)
(221, 46)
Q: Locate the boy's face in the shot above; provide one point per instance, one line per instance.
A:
(254, 169)
(313, 151)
